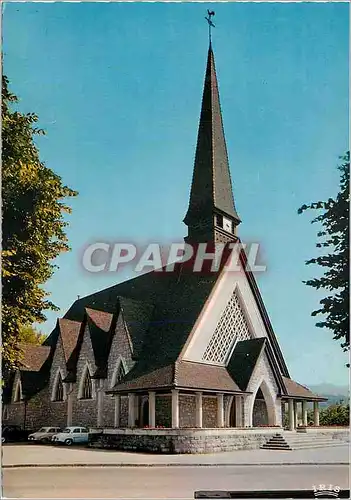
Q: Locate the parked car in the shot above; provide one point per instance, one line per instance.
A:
(44, 434)
(71, 435)
(13, 433)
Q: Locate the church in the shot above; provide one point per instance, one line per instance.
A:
(169, 357)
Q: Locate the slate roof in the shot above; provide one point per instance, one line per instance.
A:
(34, 357)
(99, 324)
(33, 382)
(211, 185)
(69, 331)
(169, 305)
(34, 371)
(181, 374)
(201, 376)
(137, 316)
(299, 391)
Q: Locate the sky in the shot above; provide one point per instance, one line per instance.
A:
(118, 86)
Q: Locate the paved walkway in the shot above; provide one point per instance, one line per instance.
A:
(49, 456)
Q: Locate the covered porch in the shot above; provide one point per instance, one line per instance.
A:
(296, 412)
(179, 408)
(295, 405)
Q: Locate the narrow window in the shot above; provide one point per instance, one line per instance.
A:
(219, 219)
(120, 373)
(18, 392)
(87, 392)
(59, 389)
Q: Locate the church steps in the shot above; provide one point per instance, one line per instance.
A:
(299, 441)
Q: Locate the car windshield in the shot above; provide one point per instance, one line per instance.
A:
(43, 429)
(67, 430)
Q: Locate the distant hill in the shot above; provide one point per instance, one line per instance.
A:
(334, 393)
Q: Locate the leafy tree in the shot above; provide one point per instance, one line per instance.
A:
(30, 335)
(338, 414)
(33, 231)
(334, 237)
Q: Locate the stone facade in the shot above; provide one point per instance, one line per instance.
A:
(164, 410)
(182, 441)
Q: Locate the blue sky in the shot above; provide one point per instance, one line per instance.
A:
(118, 89)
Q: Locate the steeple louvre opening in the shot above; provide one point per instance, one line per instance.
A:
(211, 190)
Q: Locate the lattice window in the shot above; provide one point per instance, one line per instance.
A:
(232, 327)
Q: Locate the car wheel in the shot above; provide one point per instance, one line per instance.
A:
(45, 440)
(68, 442)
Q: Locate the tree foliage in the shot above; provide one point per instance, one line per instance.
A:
(338, 414)
(33, 230)
(334, 237)
(30, 335)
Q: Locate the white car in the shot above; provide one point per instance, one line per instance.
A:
(44, 434)
(71, 435)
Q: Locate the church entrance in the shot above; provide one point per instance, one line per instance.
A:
(263, 410)
(232, 415)
(259, 412)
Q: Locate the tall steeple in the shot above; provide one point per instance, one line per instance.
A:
(211, 216)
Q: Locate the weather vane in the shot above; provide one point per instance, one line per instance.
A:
(210, 14)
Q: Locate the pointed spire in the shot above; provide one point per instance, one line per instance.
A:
(211, 190)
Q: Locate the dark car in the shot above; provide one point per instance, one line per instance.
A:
(13, 433)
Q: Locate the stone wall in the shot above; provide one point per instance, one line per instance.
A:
(164, 410)
(187, 411)
(209, 412)
(56, 411)
(31, 414)
(181, 441)
(120, 352)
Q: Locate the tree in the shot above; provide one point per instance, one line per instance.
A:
(30, 335)
(338, 414)
(334, 237)
(33, 228)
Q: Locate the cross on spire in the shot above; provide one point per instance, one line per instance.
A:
(210, 14)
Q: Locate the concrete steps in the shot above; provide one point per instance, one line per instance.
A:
(299, 441)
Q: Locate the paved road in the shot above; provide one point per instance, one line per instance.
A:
(44, 455)
(163, 482)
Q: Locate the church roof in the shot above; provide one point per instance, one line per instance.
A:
(99, 325)
(299, 391)
(34, 357)
(137, 315)
(34, 371)
(201, 376)
(69, 331)
(183, 375)
(160, 310)
(211, 185)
